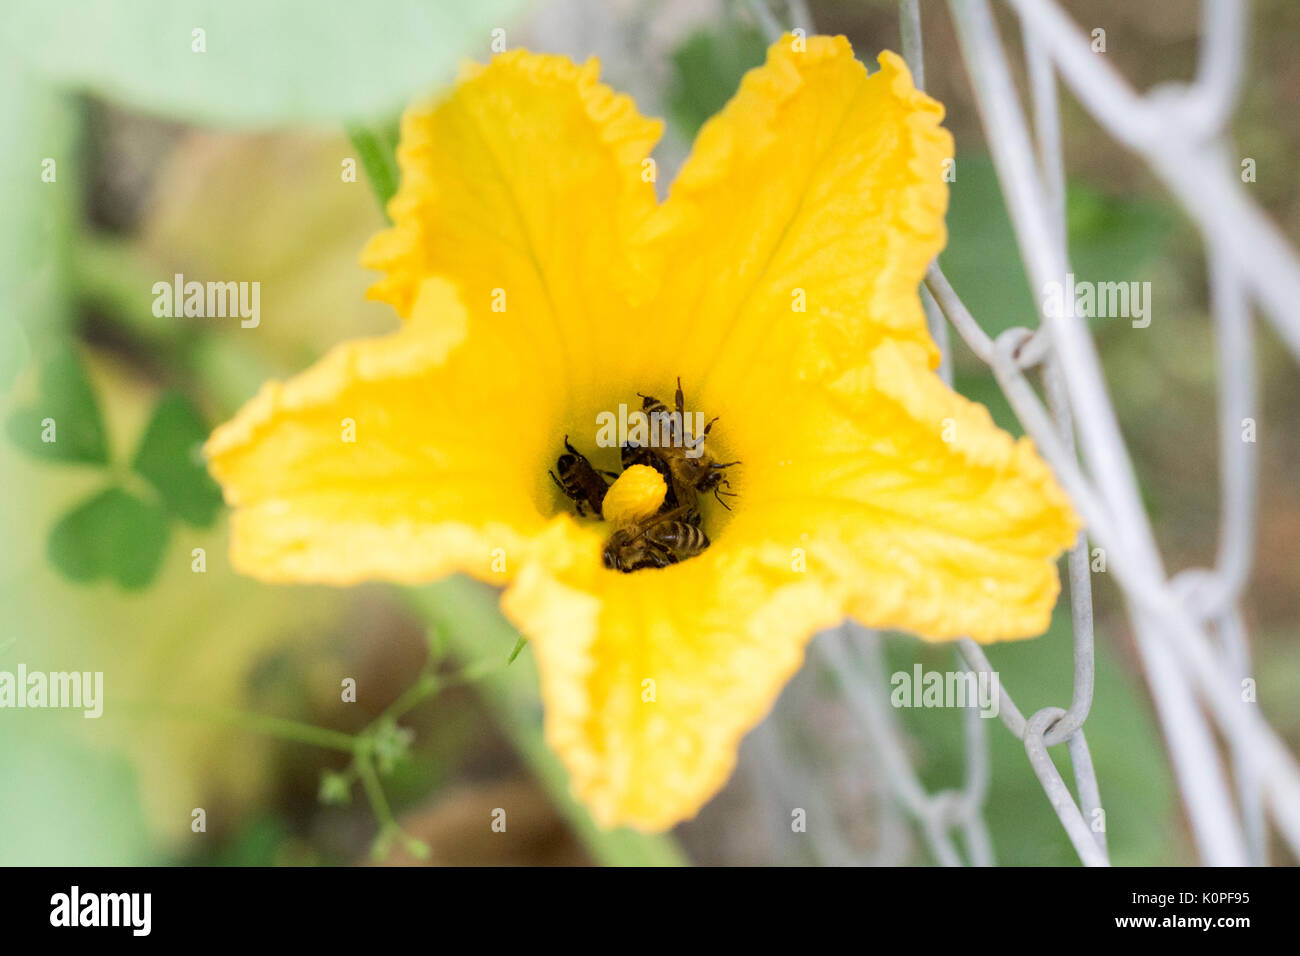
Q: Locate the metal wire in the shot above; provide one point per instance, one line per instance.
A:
(1195, 682)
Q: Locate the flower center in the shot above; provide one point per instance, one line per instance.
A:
(653, 504)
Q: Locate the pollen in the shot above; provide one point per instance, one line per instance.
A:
(636, 494)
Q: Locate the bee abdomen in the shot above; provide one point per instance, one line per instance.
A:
(579, 481)
(678, 537)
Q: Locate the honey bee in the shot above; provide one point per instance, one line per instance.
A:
(656, 542)
(652, 407)
(579, 480)
(699, 472)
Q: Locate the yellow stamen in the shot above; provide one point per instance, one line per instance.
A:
(635, 494)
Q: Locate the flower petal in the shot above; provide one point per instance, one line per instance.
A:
(651, 678)
(818, 187)
(524, 187)
(930, 518)
(390, 458)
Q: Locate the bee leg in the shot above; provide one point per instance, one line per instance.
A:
(567, 494)
(610, 474)
(705, 433)
(681, 401)
(569, 448)
(627, 567)
(661, 559)
(717, 467)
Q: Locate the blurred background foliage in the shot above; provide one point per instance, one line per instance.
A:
(224, 694)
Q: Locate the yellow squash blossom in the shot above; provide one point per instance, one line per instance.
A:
(542, 283)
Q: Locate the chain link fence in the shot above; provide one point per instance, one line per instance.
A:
(1190, 638)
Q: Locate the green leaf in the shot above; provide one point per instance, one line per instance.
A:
(114, 535)
(377, 148)
(42, 207)
(519, 646)
(170, 456)
(45, 818)
(261, 63)
(64, 423)
(1112, 239)
(707, 68)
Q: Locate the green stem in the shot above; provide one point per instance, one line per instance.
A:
(427, 686)
(281, 727)
(374, 791)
